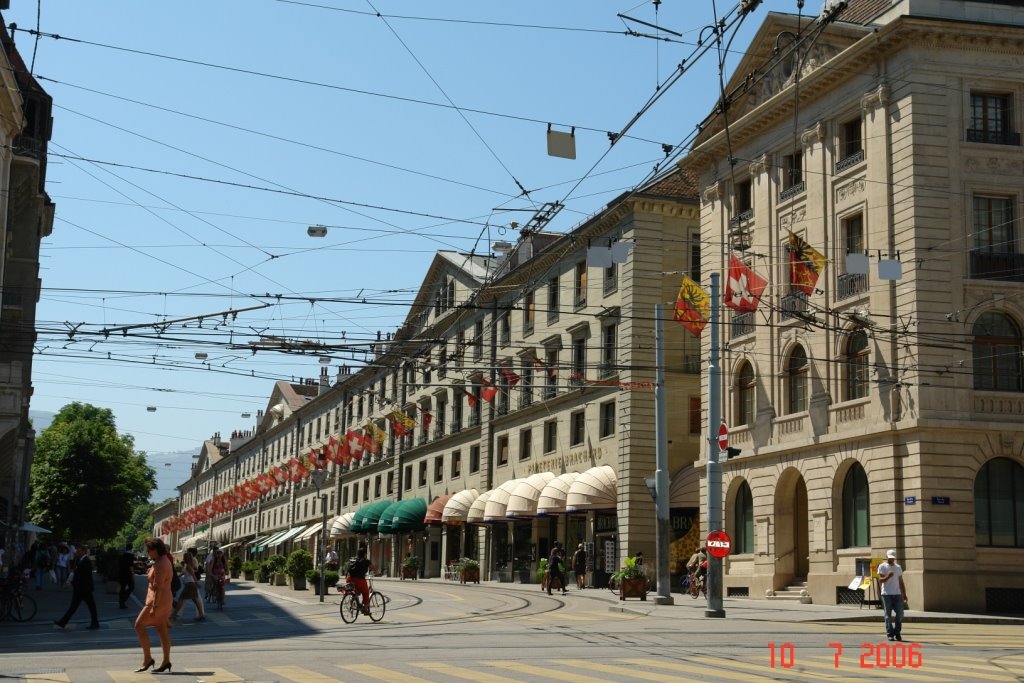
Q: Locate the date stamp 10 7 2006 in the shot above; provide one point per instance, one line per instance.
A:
(894, 655)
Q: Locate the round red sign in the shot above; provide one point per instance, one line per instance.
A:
(723, 437)
(718, 544)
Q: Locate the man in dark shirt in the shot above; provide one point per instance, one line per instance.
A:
(357, 569)
(82, 588)
(125, 576)
(556, 564)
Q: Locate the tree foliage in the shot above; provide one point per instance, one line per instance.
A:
(137, 529)
(86, 479)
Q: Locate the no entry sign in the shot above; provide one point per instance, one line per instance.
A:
(723, 437)
(718, 544)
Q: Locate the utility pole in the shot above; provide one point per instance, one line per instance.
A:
(319, 477)
(714, 467)
(661, 493)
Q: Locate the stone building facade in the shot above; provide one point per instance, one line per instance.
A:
(881, 409)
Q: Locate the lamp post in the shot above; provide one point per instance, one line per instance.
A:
(319, 477)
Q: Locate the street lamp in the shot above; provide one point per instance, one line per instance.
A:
(319, 477)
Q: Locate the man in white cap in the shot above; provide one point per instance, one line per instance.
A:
(894, 595)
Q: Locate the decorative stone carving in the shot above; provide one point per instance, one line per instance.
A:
(712, 192)
(994, 165)
(760, 164)
(815, 133)
(879, 97)
(850, 190)
(790, 218)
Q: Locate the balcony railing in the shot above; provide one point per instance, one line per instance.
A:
(691, 365)
(549, 392)
(744, 216)
(741, 324)
(501, 409)
(474, 419)
(792, 191)
(993, 137)
(850, 161)
(606, 369)
(792, 305)
(424, 438)
(987, 265)
(439, 431)
(525, 399)
(455, 428)
(851, 284)
(27, 146)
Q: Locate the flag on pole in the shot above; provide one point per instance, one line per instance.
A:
(354, 444)
(510, 376)
(489, 391)
(549, 370)
(471, 398)
(744, 287)
(693, 307)
(805, 264)
(401, 424)
(374, 437)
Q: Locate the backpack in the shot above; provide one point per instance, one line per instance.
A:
(175, 580)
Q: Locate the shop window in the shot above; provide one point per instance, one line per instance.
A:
(856, 509)
(999, 504)
(997, 353)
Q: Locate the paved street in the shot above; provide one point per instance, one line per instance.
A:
(442, 631)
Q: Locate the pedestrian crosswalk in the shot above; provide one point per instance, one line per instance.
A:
(743, 666)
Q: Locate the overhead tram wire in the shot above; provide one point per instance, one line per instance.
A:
(302, 81)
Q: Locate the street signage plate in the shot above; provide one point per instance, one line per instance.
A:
(910, 500)
(718, 544)
(723, 437)
(940, 500)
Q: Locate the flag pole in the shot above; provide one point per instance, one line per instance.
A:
(661, 493)
(714, 467)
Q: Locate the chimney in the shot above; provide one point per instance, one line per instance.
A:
(325, 382)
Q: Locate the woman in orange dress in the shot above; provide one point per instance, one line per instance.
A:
(157, 610)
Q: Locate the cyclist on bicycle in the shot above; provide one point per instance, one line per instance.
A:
(698, 564)
(218, 574)
(357, 568)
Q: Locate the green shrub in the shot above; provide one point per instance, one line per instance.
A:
(331, 577)
(299, 562)
(263, 572)
(411, 561)
(235, 564)
(276, 563)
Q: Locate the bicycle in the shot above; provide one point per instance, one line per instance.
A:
(218, 591)
(695, 585)
(15, 604)
(351, 604)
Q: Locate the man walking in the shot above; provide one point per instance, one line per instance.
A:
(894, 595)
(82, 587)
(125, 576)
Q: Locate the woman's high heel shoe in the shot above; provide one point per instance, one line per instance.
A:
(145, 666)
(166, 666)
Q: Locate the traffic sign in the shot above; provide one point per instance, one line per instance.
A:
(723, 437)
(718, 543)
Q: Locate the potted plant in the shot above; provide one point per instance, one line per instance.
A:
(523, 573)
(469, 571)
(331, 578)
(263, 573)
(299, 562)
(276, 564)
(249, 570)
(410, 567)
(541, 575)
(632, 580)
(235, 566)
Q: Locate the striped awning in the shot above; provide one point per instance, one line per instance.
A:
(497, 504)
(265, 543)
(523, 502)
(436, 509)
(340, 525)
(286, 536)
(313, 530)
(456, 509)
(476, 510)
(552, 497)
(595, 489)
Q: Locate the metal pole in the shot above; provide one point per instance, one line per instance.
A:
(323, 543)
(714, 468)
(661, 529)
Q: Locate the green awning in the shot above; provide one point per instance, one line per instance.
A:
(269, 539)
(384, 526)
(366, 518)
(408, 516)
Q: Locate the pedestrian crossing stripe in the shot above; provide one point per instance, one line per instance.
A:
(628, 673)
(59, 678)
(544, 672)
(381, 674)
(828, 664)
(299, 674)
(947, 663)
(465, 674)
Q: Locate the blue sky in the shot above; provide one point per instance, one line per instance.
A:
(135, 242)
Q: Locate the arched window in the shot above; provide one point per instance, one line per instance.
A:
(745, 395)
(796, 377)
(999, 504)
(743, 519)
(856, 508)
(997, 362)
(856, 361)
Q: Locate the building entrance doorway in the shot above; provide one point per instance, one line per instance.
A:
(791, 541)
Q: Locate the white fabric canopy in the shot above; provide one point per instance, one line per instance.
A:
(457, 508)
(523, 502)
(341, 524)
(498, 502)
(552, 496)
(476, 510)
(595, 489)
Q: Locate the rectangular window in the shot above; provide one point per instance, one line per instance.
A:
(695, 421)
(526, 384)
(550, 436)
(376, 487)
(391, 483)
(551, 372)
(579, 356)
(577, 428)
(502, 450)
(504, 329)
(423, 473)
(439, 417)
(744, 199)
(580, 285)
(607, 419)
(792, 170)
(478, 340)
(529, 312)
(608, 341)
(993, 225)
(851, 143)
(408, 478)
(457, 412)
(474, 459)
(992, 119)
(525, 444)
(611, 279)
(853, 234)
(552, 300)
(456, 464)
(366, 489)
(438, 468)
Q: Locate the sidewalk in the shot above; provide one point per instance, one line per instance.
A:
(53, 602)
(684, 606)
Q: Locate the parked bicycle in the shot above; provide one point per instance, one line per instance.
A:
(352, 603)
(14, 603)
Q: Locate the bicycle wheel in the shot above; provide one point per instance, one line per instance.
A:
(377, 606)
(613, 585)
(349, 608)
(23, 608)
(694, 588)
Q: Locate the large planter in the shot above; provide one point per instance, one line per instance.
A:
(279, 580)
(299, 583)
(234, 574)
(524, 576)
(633, 588)
(249, 576)
(470, 575)
(409, 573)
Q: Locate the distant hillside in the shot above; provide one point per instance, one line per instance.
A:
(41, 419)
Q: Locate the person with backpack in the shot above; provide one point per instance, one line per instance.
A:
(358, 566)
(556, 568)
